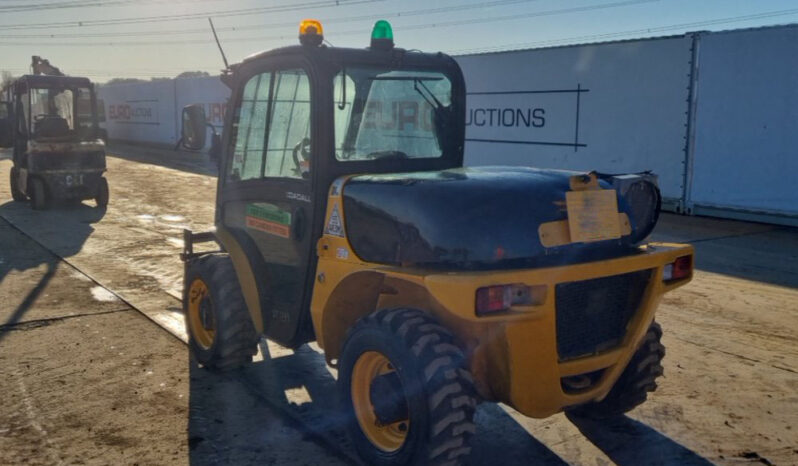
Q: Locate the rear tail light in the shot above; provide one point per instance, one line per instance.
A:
(682, 267)
(500, 298)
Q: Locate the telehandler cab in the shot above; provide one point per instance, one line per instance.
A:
(344, 216)
(51, 122)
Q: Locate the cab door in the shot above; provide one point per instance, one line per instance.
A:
(266, 195)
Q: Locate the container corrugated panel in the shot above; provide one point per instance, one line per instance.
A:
(618, 107)
(746, 134)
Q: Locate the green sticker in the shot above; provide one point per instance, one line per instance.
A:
(269, 219)
(269, 212)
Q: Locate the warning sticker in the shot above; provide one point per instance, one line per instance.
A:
(269, 218)
(334, 226)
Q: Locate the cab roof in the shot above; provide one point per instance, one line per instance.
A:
(346, 54)
(299, 49)
(40, 80)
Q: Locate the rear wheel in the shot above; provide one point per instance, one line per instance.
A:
(16, 193)
(407, 394)
(221, 334)
(37, 193)
(102, 193)
(635, 383)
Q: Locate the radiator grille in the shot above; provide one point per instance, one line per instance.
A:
(592, 314)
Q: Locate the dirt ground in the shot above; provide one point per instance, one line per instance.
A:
(87, 379)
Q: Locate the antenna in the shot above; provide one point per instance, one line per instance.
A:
(224, 59)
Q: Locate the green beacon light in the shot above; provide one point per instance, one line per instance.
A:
(382, 36)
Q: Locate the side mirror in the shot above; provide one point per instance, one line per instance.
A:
(192, 135)
(6, 125)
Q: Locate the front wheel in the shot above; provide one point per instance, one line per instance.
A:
(16, 193)
(406, 392)
(102, 194)
(220, 331)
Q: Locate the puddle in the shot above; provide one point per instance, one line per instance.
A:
(172, 218)
(101, 294)
(177, 242)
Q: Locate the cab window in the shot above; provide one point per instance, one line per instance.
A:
(288, 149)
(384, 113)
(271, 127)
(249, 129)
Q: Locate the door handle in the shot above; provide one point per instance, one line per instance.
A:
(298, 224)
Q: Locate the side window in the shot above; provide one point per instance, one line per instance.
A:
(288, 150)
(249, 129)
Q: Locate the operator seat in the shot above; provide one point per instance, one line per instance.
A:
(51, 126)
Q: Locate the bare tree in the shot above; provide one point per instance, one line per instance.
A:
(193, 74)
(124, 80)
(6, 78)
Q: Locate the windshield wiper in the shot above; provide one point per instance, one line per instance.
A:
(437, 105)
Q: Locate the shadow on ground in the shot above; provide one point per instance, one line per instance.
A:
(629, 442)
(23, 253)
(751, 251)
(183, 160)
(229, 422)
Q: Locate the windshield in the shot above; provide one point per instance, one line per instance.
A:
(59, 112)
(383, 113)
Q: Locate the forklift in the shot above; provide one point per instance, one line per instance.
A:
(50, 120)
(344, 215)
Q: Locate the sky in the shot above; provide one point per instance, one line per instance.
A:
(104, 39)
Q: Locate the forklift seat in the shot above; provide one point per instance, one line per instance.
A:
(51, 126)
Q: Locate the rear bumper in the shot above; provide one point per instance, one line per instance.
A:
(69, 184)
(514, 356)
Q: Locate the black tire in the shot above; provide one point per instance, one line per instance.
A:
(16, 193)
(436, 388)
(37, 193)
(102, 194)
(635, 383)
(234, 340)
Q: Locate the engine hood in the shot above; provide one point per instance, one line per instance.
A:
(478, 217)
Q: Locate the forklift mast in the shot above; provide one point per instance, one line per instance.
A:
(41, 65)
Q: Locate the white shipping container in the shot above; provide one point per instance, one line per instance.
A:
(141, 112)
(615, 107)
(746, 134)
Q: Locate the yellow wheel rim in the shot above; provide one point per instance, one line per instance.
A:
(388, 437)
(199, 303)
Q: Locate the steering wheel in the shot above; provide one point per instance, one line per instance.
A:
(43, 116)
(302, 166)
